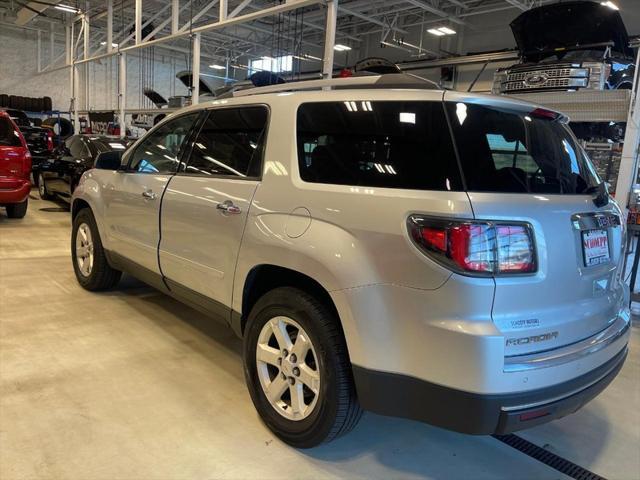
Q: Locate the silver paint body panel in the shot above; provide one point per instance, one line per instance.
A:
(400, 311)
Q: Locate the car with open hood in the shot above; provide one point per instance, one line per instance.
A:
(569, 46)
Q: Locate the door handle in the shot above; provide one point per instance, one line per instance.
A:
(228, 207)
(148, 194)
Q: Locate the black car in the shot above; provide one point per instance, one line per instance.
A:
(60, 176)
(566, 46)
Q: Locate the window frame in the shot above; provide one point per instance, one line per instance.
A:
(180, 156)
(187, 153)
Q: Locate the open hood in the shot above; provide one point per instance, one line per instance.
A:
(185, 77)
(158, 100)
(568, 25)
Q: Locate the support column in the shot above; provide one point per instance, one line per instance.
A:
(629, 161)
(195, 70)
(122, 93)
(52, 46)
(74, 97)
(138, 22)
(109, 25)
(39, 52)
(329, 38)
(67, 44)
(87, 54)
(224, 9)
(175, 16)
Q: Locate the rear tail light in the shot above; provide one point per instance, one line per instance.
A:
(49, 140)
(476, 248)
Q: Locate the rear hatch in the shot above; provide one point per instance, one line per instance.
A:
(12, 155)
(543, 30)
(523, 164)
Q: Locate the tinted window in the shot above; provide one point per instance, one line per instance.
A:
(109, 145)
(159, 151)
(504, 151)
(380, 144)
(230, 143)
(8, 136)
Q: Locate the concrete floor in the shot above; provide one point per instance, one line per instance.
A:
(133, 385)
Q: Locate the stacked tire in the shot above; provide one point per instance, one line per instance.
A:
(28, 104)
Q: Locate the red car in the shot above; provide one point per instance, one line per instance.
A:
(15, 168)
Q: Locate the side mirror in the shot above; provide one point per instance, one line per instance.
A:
(109, 161)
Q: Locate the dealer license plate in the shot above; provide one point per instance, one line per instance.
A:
(595, 247)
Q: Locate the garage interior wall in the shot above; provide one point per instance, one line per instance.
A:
(480, 33)
(21, 77)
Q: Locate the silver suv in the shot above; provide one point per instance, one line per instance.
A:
(378, 244)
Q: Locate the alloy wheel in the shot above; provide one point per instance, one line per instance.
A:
(84, 249)
(42, 190)
(288, 368)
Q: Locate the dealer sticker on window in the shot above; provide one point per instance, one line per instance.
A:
(595, 247)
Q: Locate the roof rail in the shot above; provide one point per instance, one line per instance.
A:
(390, 80)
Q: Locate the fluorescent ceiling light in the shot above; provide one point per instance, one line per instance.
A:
(341, 48)
(218, 67)
(114, 45)
(66, 8)
(440, 31)
(610, 5)
(447, 30)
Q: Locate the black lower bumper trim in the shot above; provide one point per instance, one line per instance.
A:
(408, 397)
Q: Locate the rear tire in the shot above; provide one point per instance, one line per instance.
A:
(326, 366)
(17, 210)
(90, 264)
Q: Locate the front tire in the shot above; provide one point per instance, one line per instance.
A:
(297, 369)
(42, 188)
(90, 264)
(17, 210)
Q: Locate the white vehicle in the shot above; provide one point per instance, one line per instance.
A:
(378, 244)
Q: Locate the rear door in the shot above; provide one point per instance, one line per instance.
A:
(205, 207)
(523, 164)
(133, 198)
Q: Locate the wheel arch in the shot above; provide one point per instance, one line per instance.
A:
(266, 277)
(77, 205)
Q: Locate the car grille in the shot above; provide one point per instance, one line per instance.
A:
(535, 79)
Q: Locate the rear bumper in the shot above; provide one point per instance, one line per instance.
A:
(14, 190)
(408, 397)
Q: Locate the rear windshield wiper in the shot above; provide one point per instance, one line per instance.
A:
(600, 192)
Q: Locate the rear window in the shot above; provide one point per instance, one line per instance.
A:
(377, 144)
(514, 152)
(9, 137)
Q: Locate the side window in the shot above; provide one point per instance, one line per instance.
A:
(77, 148)
(230, 143)
(390, 144)
(158, 152)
